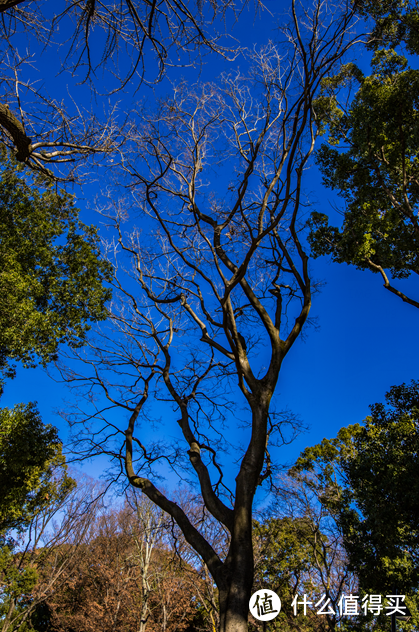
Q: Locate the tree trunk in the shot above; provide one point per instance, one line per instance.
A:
(234, 602)
(234, 598)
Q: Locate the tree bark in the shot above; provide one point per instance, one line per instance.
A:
(9, 4)
(234, 606)
(16, 130)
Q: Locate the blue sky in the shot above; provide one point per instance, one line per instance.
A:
(365, 341)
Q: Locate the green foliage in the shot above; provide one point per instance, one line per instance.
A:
(378, 176)
(29, 453)
(286, 550)
(396, 22)
(17, 584)
(51, 273)
(41, 618)
(369, 478)
(51, 287)
(33, 485)
(326, 106)
(383, 474)
(286, 553)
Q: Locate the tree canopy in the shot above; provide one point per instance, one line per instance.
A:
(395, 22)
(371, 155)
(29, 453)
(51, 272)
(377, 176)
(368, 477)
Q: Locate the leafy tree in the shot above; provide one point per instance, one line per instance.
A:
(377, 176)
(375, 169)
(284, 559)
(395, 22)
(299, 551)
(368, 480)
(17, 585)
(51, 287)
(51, 273)
(282, 552)
(29, 454)
(34, 485)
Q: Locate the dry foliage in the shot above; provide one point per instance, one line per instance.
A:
(127, 578)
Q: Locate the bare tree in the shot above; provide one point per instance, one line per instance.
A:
(145, 532)
(43, 129)
(214, 289)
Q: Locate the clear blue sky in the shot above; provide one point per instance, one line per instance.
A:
(366, 340)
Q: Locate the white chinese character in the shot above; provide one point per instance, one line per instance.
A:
(321, 611)
(304, 603)
(264, 605)
(348, 605)
(373, 604)
(395, 605)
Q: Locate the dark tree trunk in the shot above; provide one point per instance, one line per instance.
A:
(234, 605)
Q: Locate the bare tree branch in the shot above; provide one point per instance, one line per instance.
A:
(140, 39)
(213, 290)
